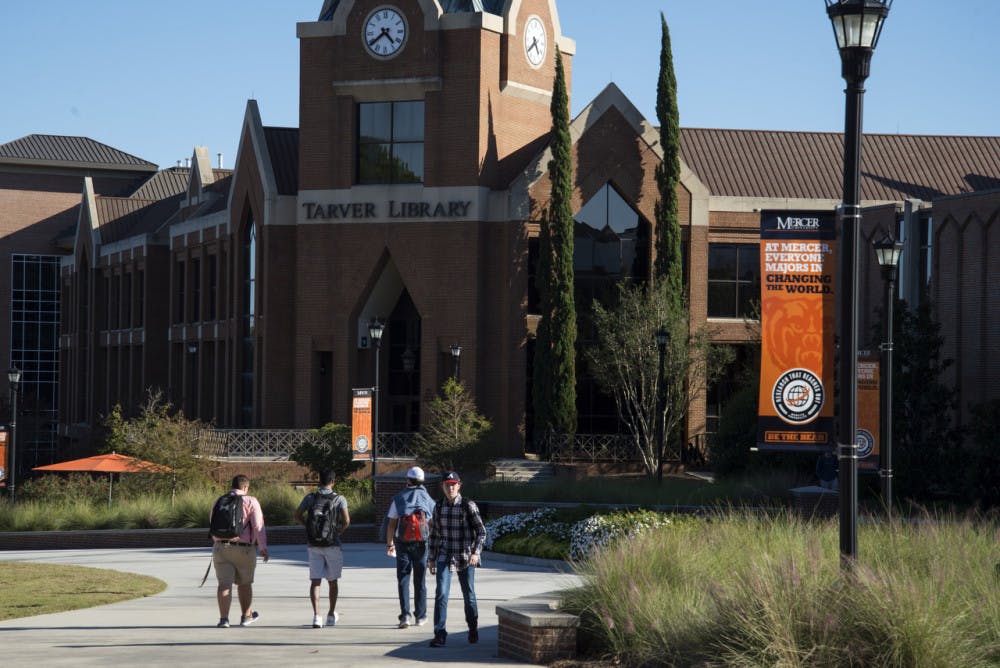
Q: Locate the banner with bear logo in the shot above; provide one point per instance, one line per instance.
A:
(797, 256)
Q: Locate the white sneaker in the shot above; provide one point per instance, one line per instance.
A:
(404, 622)
(331, 620)
(317, 622)
(421, 621)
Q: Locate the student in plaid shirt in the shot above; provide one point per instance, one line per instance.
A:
(456, 543)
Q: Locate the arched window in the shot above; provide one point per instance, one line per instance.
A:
(248, 322)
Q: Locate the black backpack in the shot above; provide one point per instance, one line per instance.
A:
(227, 517)
(322, 521)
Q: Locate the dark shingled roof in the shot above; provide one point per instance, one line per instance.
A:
(764, 163)
(164, 183)
(70, 150)
(283, 147)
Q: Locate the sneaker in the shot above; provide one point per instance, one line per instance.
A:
(473, 636)
(421, 621)
(317, 622)
(331, 619)
(439, 639)
(223, 623)
(247, 621)
(404, 622)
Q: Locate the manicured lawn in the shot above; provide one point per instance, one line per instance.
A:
(28, 589)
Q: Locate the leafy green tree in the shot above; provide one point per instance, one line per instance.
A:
(331, 450)
(667, 268)
(162, 436)
(453, 436)
(554, 376)
(984, 455)
(625, 362)
(926, 444)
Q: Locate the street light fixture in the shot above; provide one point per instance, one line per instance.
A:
(375, 330)
(662, 338)
(14, 378)
(456, 353)
(857, 25)
(887, 250)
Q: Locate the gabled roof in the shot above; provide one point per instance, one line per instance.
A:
(164, 183)
(765, 163)
(70, 151)
(283, 147)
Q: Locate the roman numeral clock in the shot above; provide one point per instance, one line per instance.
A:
(384, 32)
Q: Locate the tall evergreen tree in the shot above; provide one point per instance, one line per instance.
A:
(554, 378)
(667, 268)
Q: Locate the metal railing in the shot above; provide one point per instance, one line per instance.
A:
(280, 444)
(612, 448)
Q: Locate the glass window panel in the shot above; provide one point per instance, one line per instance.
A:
(375, 122)
(375, 163)
(721, 300)
(721, 262)
(749, 262)
(409, 163)
(408, 122)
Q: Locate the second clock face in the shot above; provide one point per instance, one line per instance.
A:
(534, 41)
(384, 32)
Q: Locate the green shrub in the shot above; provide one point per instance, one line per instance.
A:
(543, 546)
(333, 452)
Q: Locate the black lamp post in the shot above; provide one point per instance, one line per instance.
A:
(375, 329)
(456, 354)
(887, 250)
(857, 25)
(14, 378)
(662, 336)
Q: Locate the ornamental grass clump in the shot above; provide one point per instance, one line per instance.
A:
(746, 591)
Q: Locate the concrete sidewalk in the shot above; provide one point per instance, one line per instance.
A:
(177, 627)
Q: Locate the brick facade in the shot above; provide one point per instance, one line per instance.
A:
(460, 278)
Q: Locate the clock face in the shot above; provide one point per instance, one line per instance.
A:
(534, 41)
(384, 32)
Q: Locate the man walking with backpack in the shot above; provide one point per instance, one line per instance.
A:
(325, 516)
(406, 539)
(237, 531)
(455, 545)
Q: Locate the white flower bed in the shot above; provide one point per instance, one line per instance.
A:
(585, 536)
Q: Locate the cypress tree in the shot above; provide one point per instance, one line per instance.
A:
(667, 268)
(554, 378)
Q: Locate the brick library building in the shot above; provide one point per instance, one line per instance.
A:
(411, 194)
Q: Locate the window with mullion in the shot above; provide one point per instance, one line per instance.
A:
(733, 280)
(391, 142)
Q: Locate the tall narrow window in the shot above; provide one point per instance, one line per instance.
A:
(34, 349)
(140, 307)
(248, 324)
(179, 277)
(391, 142)
(213, 285)
(195, 290)
(127, 300)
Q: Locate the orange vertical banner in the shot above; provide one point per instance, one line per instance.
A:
(3, 457)
(869, 405)
(797, 258)
(361, 424)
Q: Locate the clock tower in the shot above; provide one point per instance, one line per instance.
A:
(415, 119)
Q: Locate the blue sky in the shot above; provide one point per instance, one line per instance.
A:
(157, 78)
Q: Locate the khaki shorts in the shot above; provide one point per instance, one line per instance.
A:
(234, 563)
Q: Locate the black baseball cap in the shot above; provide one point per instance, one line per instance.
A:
(451, 476)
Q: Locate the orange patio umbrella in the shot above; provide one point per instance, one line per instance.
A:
(110, 464)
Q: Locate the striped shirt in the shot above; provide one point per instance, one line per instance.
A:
(458, 533)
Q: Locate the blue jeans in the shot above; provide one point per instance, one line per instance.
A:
(412, 558)
(467, 581)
